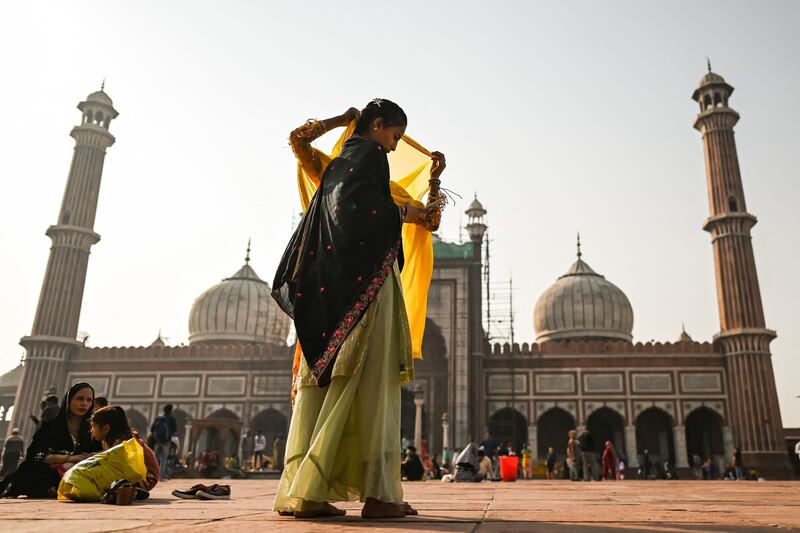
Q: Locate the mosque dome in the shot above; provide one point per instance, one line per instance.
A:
(238, 309)
(582, 304)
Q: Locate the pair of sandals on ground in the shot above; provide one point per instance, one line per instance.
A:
(123, 492)
(373, 509)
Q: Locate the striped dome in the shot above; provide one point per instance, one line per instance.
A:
(583, 305)
(239, 309)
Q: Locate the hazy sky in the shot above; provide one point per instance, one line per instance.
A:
(563, 116)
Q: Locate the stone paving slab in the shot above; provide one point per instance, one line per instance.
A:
(523, 506)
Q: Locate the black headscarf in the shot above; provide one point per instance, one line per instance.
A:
(53, 436)
(341, 253)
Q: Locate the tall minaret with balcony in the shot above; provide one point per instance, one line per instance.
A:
(753, 411)
(475, 415)
(53, 338)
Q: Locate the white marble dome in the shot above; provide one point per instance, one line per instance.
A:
(583, 305)
(238, 309)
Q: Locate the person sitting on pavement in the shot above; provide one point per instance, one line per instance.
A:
(467, 465)
(56, 446)
(485, 468)
(110, 427)
(411, 467)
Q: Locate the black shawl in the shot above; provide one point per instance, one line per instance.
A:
(341, 253)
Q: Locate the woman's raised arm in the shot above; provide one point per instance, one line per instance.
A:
(301, 138)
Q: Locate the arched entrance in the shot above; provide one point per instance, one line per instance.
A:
(654, 434)
(509, 426)
(605, 424)
(552, 430)
(704, 435)
(272, 423)
(219, 432)
(138, 422)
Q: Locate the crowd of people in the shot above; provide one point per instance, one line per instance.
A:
(83, 425)
(583, 459)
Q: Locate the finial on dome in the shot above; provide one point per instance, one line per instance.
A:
(247, 257)
(708, 63)
(103, 85)
(579, 245)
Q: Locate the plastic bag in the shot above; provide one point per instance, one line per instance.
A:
(88, 480)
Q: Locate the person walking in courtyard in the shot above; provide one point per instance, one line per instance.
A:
(697, 466)
(12, 453)
(247, 449)
(278, 451)
(644, 465)
(259, 450)
(526, 461)
(550, 463)
(586, 444)
(738, 465)
(609, 462)
(572, 454)
(162, 430)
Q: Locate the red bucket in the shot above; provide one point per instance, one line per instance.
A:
(508, 467)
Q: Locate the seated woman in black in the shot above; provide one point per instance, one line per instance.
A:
(56, 446)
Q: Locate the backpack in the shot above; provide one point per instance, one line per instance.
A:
(161, 429)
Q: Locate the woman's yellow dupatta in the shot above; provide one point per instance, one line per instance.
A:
(409, 168)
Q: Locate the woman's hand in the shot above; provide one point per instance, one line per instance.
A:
(439, 164)
(55, 459)
(350, 115)
(420, 215)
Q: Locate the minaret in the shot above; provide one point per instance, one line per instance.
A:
(53, 338)
(753, 411)
(471, 421)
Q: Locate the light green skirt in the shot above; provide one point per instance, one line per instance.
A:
(344, 439)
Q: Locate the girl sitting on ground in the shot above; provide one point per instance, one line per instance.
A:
(110, 427)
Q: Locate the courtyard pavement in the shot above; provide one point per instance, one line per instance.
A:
(536, 506)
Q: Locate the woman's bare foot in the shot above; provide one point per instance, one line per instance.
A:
(326, 510)
(410, 511)
(377, 509)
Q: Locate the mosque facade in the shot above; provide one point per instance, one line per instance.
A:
(584, 370)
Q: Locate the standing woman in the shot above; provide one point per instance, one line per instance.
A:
(339, 280)
(56, 446)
